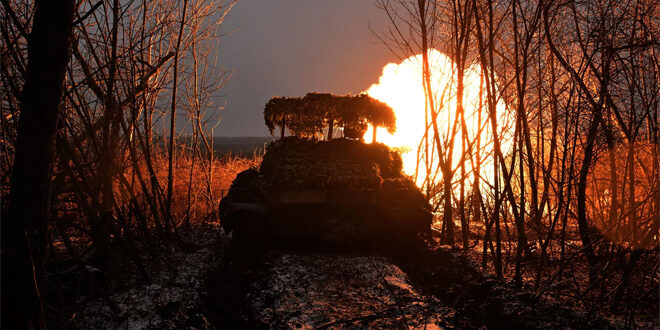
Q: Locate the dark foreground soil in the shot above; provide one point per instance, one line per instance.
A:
(215, 287)
(488, 302)
(429, 289)
(322, 290)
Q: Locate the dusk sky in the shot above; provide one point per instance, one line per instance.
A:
(291, 47)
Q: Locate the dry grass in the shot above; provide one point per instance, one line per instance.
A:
(196, 193)
(195, 199)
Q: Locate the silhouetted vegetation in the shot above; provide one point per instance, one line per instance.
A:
(568, 204)
(559, 205)
(110, 198)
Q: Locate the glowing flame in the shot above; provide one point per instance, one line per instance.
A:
(400, 86)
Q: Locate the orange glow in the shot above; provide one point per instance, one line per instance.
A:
(400, 86)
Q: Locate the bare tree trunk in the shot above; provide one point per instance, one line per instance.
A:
(24, 230)
(582, 197)
(448, 211)
(597, 108)
(520, 223)
(331, 128)
(486, 61)
(170, 168)
(496, 221)
(461, 205)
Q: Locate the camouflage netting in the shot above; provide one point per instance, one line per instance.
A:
(248, 187)
(341, 192)
(339, 163)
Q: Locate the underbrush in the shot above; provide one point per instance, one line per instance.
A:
(102, 260)
(562, 275)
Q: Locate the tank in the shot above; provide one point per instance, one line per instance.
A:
(339, 194)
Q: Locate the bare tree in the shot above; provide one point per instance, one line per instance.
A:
(24, 231)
